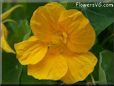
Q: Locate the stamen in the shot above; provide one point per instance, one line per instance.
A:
(64, 37)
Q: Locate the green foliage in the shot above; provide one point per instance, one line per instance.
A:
(107, 65)
(102, 19)
(102, 75)
(10, 69)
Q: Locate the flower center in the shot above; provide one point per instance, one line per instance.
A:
(58, 39)
(64, 34)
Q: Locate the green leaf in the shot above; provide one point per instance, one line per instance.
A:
(28, 31)
(107, 66)
(23, 31)
(10, 69)
(102, 75)
(19, 32)
(27, 35)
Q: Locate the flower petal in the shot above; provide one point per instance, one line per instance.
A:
(5, 46)
(52, 67)
(30, 51)
(81, 35)
(45, 18)
(79, 67)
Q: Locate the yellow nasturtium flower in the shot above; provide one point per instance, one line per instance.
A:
(5, 46)
(59, 49)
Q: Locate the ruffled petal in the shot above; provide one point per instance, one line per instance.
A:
(30, 51)
(52, 67)
(80, 34)
(44, 20)
(5, 46)
(79, 67)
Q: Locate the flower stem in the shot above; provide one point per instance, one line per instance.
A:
(93, 80)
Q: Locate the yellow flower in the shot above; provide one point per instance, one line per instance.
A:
(5, 46)
(59, 49)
